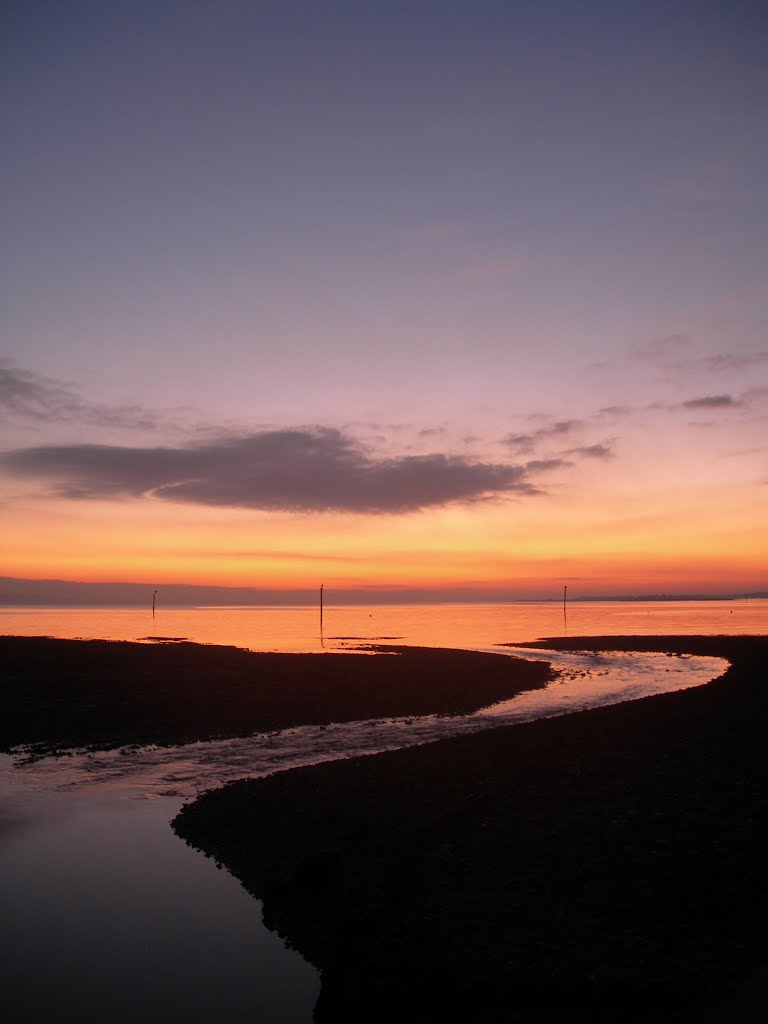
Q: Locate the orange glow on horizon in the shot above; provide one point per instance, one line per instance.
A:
(523, 549)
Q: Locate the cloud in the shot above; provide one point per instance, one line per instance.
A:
(544, 465)
(710, 402)
(593, 451)
(755, 395)
(559, 430)
(673, 352)
(616, 410)
(726, 362)
(306, 470)
(30, 396)
(522, 443)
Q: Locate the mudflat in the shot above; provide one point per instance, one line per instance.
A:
(60, 694)
(604, 866)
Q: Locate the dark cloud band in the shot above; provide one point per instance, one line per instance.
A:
(313, 470)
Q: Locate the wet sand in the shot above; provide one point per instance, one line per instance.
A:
(62, 694)
(604, 866)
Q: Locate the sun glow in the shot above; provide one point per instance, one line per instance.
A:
(523, 549)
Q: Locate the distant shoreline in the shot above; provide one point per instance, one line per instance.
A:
(27, 593)
(170, 606)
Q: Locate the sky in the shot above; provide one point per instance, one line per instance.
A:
(451, 296)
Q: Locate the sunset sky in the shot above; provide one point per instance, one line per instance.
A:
(433, 295)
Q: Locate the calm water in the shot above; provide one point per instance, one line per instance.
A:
(107, 915)
(446, 625)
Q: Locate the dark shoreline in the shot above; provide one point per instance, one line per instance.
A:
(57, 695)
(603, 866)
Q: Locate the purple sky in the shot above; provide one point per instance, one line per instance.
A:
(508, 238)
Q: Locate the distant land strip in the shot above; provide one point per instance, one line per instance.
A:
(21, 593)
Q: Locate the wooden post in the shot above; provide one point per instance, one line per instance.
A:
(565, 597)
(153, 604)
(321, 607)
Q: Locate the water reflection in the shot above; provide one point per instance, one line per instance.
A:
(457, 625)
(106, 916)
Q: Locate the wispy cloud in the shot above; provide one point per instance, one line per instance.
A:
(524, 443)
(545, 465)
(755, 396)
(615, 411)
(551, 434)
(725, 362)
(710, 402)
(678, 353)
(307, 470)
(33, 397)
(593, 451)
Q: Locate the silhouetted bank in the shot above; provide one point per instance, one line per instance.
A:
(60, 694)
(604, 866)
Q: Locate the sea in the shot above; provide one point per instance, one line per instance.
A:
(300, 629)
(107, 915)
